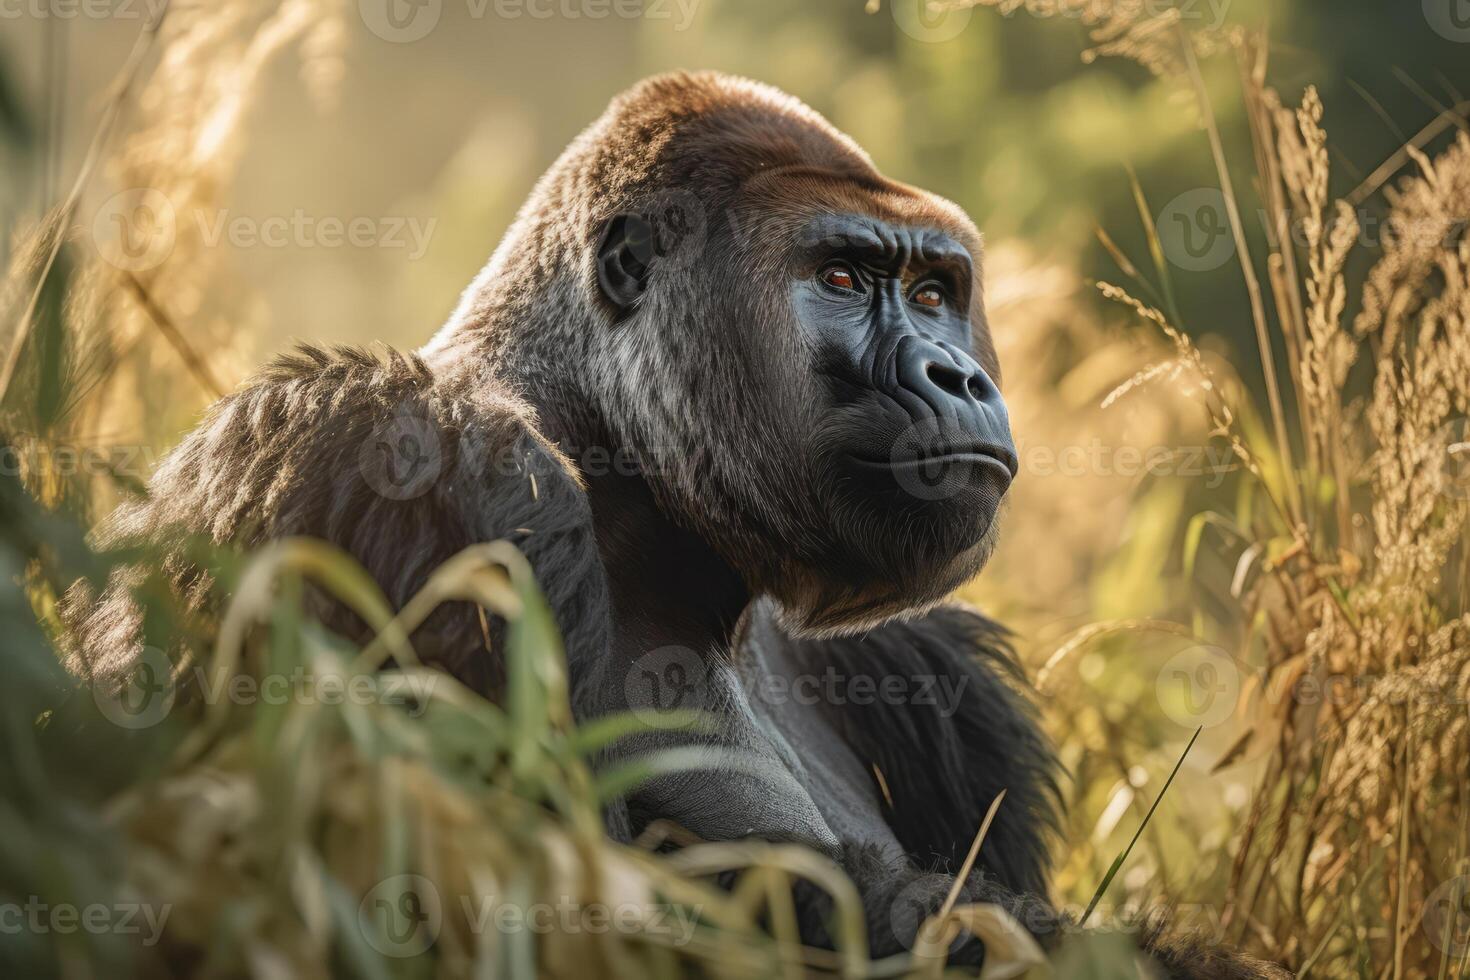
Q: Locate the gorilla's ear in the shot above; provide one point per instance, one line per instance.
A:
(625, 256)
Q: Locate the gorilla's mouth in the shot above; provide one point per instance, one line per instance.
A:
(942, 482)
(1002, 461)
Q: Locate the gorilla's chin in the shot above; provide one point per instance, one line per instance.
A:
(892, 551)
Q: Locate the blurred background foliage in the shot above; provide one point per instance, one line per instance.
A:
(1000, 113)
(1004, 118)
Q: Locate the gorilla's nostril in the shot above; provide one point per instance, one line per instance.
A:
(947, 377)
(954, 380)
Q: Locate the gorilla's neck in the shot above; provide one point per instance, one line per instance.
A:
(669, 586)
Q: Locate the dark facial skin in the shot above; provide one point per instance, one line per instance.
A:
(917, 430)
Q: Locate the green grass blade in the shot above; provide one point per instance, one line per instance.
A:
(1118, 861)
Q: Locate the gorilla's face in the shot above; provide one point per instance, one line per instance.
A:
(915, 431)
(912, 441)
(833, 363)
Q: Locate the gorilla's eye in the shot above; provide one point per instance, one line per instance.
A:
(928, 295)
(839, 276)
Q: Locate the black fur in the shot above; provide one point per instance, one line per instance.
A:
(943, 767)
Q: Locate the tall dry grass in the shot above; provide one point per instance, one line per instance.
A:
(1345, 530)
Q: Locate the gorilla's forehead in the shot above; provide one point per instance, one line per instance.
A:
(813, 201)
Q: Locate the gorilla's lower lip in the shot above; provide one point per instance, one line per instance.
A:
(948, 458)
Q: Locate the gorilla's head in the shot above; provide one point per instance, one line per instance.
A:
(792, 347)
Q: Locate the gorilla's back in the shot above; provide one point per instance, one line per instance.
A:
(368, 451)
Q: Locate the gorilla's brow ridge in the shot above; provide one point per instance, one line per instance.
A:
(881, 240)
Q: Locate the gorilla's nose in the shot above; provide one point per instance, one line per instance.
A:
(964, 382)
(948, 379)
(963, 399)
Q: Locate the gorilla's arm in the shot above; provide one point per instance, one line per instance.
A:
(960, 730)
(934, 712)
(374, 455)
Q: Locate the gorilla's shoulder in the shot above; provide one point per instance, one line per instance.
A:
(330, 441)
(368, 450)
(953, 726)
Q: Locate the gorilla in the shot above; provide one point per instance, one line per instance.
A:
(733, 394)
